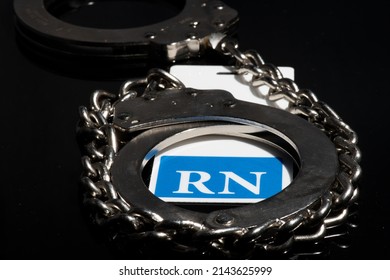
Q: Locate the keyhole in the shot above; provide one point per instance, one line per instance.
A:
(114, 14)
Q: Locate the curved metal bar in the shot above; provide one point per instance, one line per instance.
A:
(317, 154)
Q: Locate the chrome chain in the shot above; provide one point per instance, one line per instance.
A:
(101, 143)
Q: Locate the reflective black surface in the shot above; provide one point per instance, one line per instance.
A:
(338, 50)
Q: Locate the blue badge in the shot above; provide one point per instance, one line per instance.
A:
(217, 179)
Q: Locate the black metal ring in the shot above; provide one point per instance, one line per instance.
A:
(178, 37)
(317, 155)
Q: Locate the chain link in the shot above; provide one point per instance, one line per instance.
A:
(100, 144)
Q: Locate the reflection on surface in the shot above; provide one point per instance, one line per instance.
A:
(114, 14)
(334, 244)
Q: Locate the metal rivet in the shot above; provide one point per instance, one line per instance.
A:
(194, 24)
(229, 103)
(124, 116)
(224, 219)
(219, 23)
(150, 35)
(219, 7)
(150, 97)
(192, 35)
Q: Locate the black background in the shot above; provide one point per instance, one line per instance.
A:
(338, 50)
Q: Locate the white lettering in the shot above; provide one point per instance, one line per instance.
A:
(249, 186)
(185, 182)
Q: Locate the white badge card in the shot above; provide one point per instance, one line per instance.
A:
(220, 169)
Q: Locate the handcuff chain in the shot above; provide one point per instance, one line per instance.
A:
(101, 146)
(304, 102)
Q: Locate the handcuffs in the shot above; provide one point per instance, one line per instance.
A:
(119, 133)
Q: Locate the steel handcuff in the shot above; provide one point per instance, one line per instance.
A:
(120, 133)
